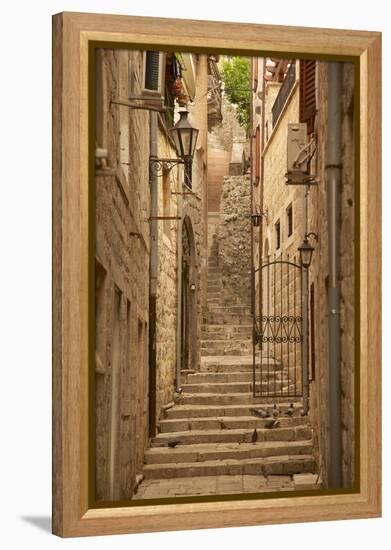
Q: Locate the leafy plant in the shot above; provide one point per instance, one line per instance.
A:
(236, 78)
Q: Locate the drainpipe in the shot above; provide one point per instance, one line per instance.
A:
(333, 183)
(305, 307)
(179, 297)
(153, 275)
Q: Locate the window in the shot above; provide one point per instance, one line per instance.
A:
(289, 220)
(154, 70)
(278, 235)
(307, 93)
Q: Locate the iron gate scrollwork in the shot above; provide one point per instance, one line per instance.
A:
(278, 330)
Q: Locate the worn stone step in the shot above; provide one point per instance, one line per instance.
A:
(234, 309)
(218, 387)
(223, 451)
(190, 437)
(225, 423)
(231, 328)
(205, 411)
(231, 363)
(239, 352)
(214, 289)
(226, 335)
(230, 398)
(226, 345)
(271, 465)
(240, 376)
(211, 317)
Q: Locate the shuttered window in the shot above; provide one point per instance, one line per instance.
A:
(307, 93)
(152, 70)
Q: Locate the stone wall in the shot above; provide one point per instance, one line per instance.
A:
(234, 237)
(275, 196)
(122, 268)
(318, 277)
(121, 298)
(222, 140)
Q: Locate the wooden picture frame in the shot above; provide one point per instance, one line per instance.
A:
(73, 34)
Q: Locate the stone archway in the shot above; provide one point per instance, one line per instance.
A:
(189, 298)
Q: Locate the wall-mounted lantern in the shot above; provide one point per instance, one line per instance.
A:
(184, 136)
(256, 217)
(306, 250)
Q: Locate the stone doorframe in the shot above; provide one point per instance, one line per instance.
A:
(189, 288)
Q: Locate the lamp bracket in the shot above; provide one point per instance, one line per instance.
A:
(311, 234)
(159, 165)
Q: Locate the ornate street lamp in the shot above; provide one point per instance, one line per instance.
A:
(306, 250)
(184, 136)
(257, 217)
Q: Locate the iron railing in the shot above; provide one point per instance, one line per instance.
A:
(284, 92)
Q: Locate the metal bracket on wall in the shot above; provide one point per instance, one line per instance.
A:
(132, 105)
(163, 218)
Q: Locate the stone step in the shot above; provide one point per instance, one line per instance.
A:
(190, 437)
(220, 387)
(225, 423)
(206, 411)
(234, 309)
(226, 335)
(217, 317)
(232, 398)
(231, 363)
(240, 376)
(214, 287)
(218, 329)
(205, 352)
(211, 302)
(225, 345)
(271, 465)
(225, 451)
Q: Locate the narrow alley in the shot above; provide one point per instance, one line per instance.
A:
(211, 440)
(223, 270)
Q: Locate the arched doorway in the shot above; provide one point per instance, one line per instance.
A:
(189, 291)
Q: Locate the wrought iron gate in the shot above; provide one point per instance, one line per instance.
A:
(278, 335)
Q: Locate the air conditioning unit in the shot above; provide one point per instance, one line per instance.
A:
(297, 155)
(154, 66)
(296, 141)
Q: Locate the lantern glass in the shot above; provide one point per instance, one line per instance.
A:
(305, 251)
(184, 136)
(256, 220)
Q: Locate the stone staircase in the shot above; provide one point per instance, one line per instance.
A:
(206, 442)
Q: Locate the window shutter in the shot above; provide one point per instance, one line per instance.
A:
(152, 71)
(307, 93)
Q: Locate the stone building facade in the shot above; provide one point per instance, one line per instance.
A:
(122, 386)
(291, 211)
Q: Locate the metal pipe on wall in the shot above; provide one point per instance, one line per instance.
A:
(153, 269)
(333, 182)
(179, 296)
(304, 294)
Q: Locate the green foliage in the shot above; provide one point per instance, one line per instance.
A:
(236, 78)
